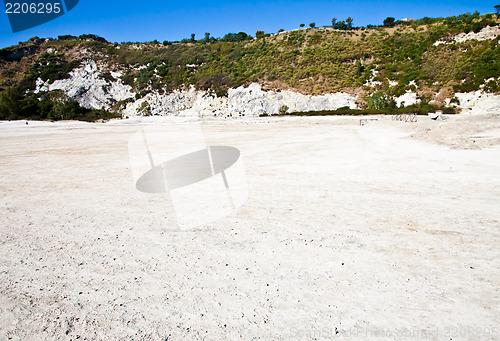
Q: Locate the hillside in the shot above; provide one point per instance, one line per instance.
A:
(423, 61)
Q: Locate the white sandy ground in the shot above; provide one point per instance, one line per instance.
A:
(389, 231)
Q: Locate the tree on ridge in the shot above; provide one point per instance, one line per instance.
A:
(389, 22)
(349, 22)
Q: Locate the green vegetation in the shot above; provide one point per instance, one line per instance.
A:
(421, 109)
(50, 67)
(312, 61)
(52, 106)
(389, 22)
(235, 37)
(317, 61)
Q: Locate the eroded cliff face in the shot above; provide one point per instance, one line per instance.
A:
(242, 101)
(87, 85)
(97, 76)
(479, 102)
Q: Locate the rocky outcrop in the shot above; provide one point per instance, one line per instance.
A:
(486, 33)
(86, 85)
(91, 90)
(407, 99)
(479, 102)
(254, 101)
(242, 101)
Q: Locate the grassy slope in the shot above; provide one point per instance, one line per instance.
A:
(312, 61)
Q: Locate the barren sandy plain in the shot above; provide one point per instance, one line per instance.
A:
(387, 231)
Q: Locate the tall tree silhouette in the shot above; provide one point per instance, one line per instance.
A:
(349, 22)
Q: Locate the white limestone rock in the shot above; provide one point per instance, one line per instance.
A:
(407, 99)
(479, 102)
(486, 33)
(250, 101)
(86, 86)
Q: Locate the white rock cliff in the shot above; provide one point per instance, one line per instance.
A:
(86, 85)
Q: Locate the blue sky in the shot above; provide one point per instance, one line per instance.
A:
(128, 20)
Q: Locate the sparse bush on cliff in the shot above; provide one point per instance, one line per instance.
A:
(283, 109)
(380, 101)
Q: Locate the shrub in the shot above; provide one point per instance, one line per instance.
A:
(46, 106)
(235, 37)
(380, 101)
(389, 22)
(283, 109)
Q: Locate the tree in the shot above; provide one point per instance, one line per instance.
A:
(359, 69)
(389, 22)
(476, 27)
(312, 25)
(497, 8)
(259, 34)
(9, 104)
(334, 21)
(145, 109)
(380, 101)
(241, 36)
(192, 37)
(207, 36)
(349, 22)
(341, 25)
(61, 101)
(302, 25)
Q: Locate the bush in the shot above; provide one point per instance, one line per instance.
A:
(380, 101)
(9, 104)
(46, 106)
(346, 111)
(283, 109)
(235, 37)
(389, 22)
(476, 27)
(51, 67)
